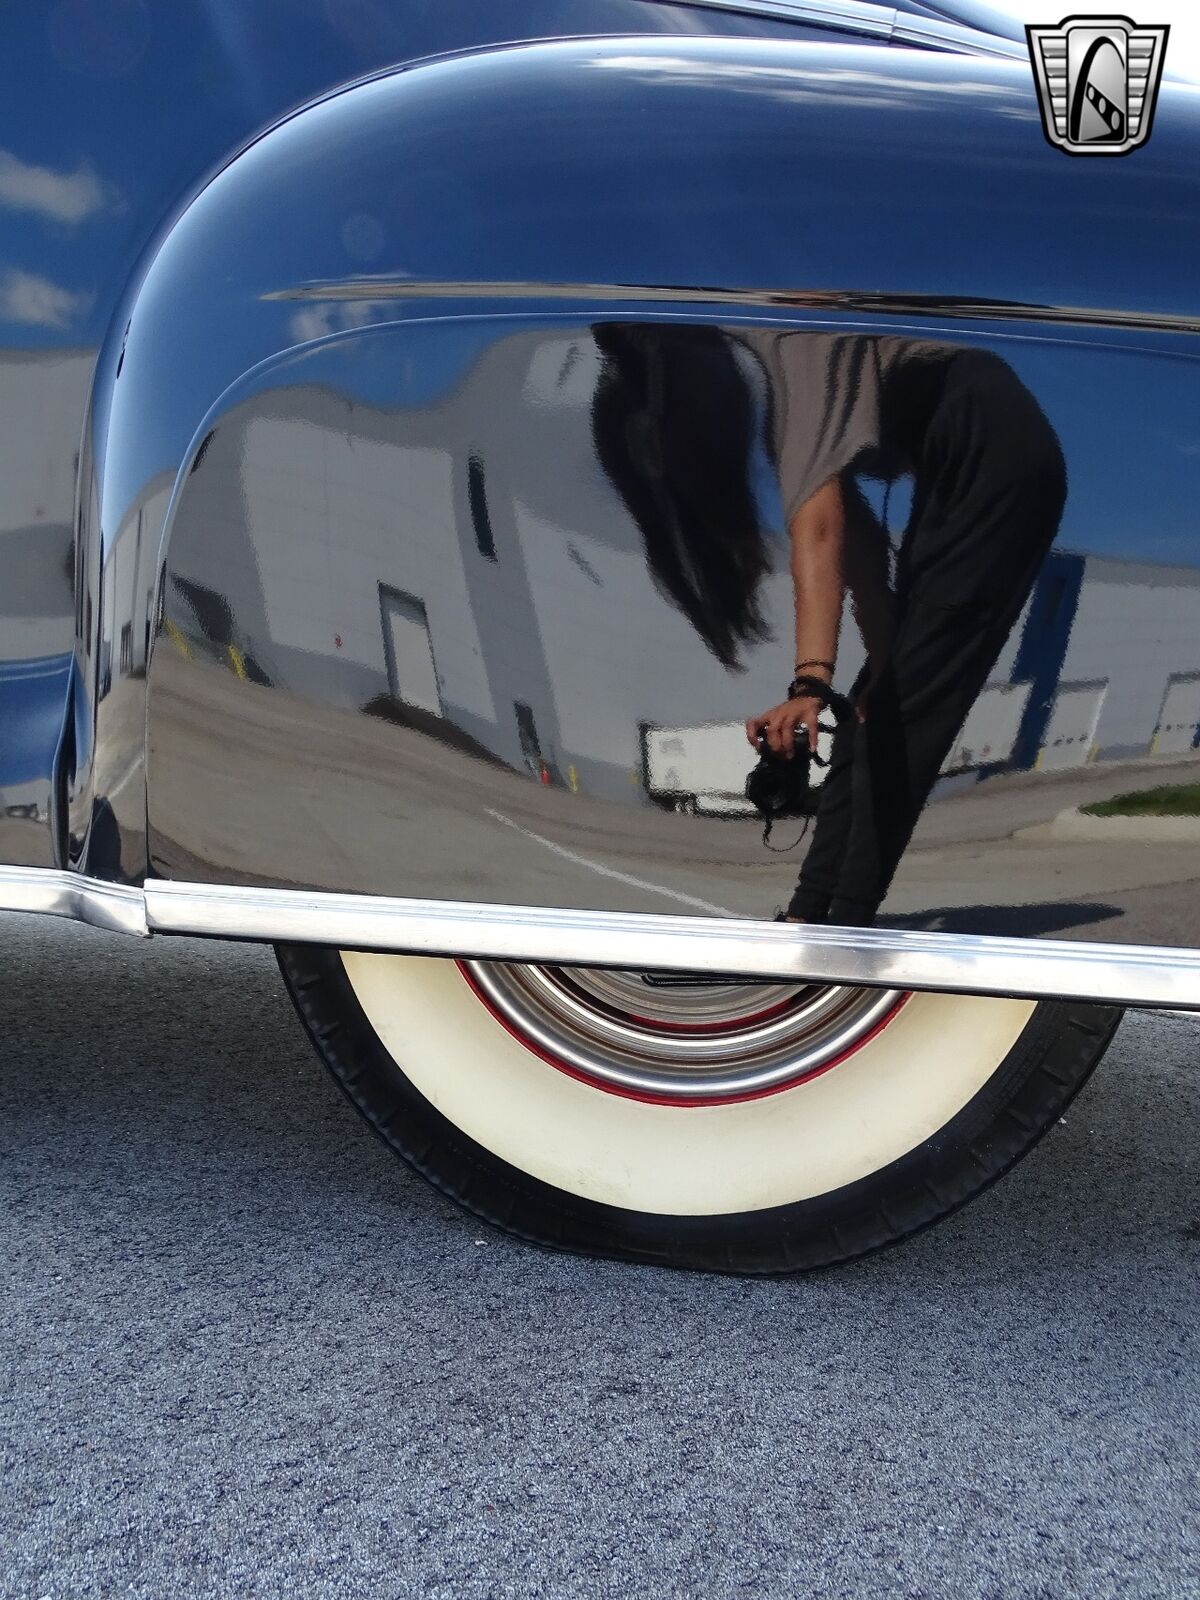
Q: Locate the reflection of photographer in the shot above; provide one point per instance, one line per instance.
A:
(989, 485)
(837, 546)
(676, 428)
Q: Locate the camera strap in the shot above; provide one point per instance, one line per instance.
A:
(782, 849)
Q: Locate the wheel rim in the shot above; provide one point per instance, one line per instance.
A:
(678, 1038)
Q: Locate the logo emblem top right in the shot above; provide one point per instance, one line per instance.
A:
(1097, 80)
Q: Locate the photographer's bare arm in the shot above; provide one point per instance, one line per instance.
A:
(837, 545)
(818, 537)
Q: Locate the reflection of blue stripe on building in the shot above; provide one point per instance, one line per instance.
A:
(1044, 640)
(1111, 651)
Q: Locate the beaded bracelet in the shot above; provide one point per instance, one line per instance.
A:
(816, 689)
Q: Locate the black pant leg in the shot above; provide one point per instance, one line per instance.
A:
(908, 733)
(990, 488)
(831, 833)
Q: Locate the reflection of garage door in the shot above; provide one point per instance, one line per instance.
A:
(1179, 717)
(408, 650)
(1071, 729)
(990, 731)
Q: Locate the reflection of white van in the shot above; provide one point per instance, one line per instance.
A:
(703, 768)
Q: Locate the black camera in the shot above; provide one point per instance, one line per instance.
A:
(779, 786)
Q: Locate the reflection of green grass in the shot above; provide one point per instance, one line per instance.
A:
(1170, 800)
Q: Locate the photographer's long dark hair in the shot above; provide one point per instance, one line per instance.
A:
(673, 424)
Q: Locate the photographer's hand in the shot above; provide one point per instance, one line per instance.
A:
(780, 724)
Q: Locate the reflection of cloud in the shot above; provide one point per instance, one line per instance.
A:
(872, 89)
(58, 196)
(315, 322)
(26, 298)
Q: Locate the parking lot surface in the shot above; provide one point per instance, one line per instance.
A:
(244, 1352)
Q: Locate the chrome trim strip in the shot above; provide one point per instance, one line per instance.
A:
(879, 22)
(851, 16)
(115, 906)
(1139, 975)
(895, 959)
(876, 302)
(927, 34)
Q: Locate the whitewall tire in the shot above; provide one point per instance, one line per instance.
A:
(728, 1126)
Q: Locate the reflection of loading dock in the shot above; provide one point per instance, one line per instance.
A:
(704, 767)
(1179, 718)
(408, 651)
(1070, 735)
(989, 735)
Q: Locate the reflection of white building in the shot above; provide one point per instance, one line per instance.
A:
(501, 579)
(1120, 666)
(43, 395)
(469, 560)
(127, 589)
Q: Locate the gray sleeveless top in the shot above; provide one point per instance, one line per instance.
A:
(826, 392)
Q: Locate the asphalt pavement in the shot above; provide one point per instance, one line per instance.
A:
(244, 1353)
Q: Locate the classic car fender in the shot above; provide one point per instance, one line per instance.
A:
(344, 493)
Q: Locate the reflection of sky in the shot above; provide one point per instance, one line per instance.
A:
(111, 110)
(1134, 467)
(1127, 428)
(1182, 16)
(133, 105)
(114, 108)
(1129, 497)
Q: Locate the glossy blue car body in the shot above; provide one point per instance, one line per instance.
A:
(217, 221)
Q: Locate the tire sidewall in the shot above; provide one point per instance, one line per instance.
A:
(1028, 1090)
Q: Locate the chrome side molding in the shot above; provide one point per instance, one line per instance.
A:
(1141, 975)
(878, 23)
(889, 958)
(116, 906)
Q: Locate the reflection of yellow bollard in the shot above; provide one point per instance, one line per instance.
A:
(572, 779)
(172, 632)
(239, 661)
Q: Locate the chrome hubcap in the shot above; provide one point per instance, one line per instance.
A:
(680, 1036)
